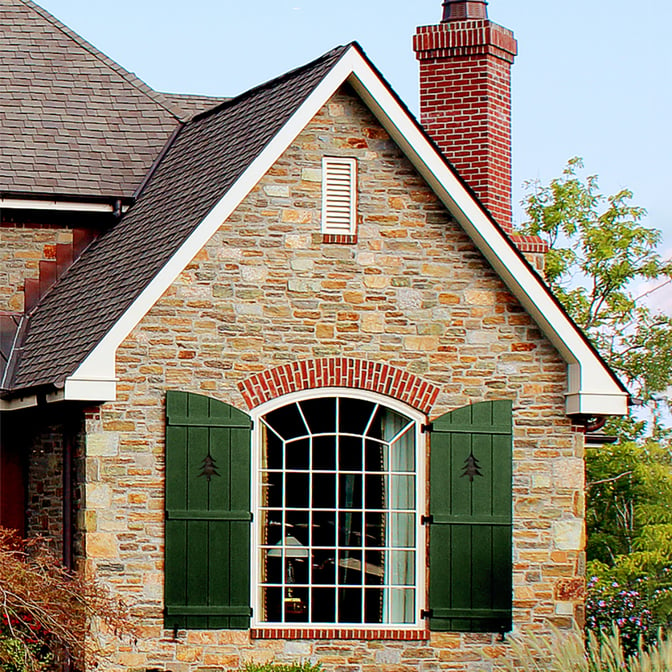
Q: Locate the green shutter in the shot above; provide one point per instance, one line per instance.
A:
(470, 581)
(207, 568)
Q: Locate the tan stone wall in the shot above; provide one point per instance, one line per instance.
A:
(22, 247)
(413, 292)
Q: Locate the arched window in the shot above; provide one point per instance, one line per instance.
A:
(338, 496)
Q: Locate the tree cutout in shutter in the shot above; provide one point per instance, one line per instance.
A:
(208, 468)
(471, 467)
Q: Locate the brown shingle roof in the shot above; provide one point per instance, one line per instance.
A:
(72, 121)
(203, 162)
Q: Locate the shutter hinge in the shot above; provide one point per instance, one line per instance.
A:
(251, 517)
(429, 427)
(427, 613)
(427, 520)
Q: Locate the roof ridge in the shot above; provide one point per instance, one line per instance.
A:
(130, 77)
(275, 80)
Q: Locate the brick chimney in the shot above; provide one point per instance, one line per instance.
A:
(465, 98)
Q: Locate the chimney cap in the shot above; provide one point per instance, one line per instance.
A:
(455, 10)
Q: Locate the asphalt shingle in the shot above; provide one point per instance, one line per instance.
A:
(66, 108)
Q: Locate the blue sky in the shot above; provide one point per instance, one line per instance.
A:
(592, 78)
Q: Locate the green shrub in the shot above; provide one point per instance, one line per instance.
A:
(280, 667)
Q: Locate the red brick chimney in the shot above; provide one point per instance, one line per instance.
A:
(465, 98)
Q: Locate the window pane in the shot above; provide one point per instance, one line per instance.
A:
(271, 567)
(271, 525)
(324, 528)
(376, 456)
(350, 605)
(324, 453)
(323, 605)
(350, 453)
(402, 452)
(402, 530)
(272, 604)
(324, 491)
(350, 529)
(350, 491)
(271, 488)
(373, 605)
(354, 415)
(376, 490)
(374, 573)
(402, 492)
(320, 414)
(374, 534)
(401, 606)
(297, 525)
(297, 454)
(350, 567)
(272, 456)
(296, 605)
(324, 566)
(297, 569)
(298, 490)
(287, 422)
(401, 570)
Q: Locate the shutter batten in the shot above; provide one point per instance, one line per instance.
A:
(207, 513)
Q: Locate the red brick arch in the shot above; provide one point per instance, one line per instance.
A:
(339, 372)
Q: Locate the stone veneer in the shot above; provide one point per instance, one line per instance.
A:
(413, 293)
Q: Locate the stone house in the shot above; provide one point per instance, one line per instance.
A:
(273, 371)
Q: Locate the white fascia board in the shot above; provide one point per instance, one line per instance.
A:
(591, 388)
(99, 365)
(59, 206)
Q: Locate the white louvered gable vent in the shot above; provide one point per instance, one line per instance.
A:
(339, 207)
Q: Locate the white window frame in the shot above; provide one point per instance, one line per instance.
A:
(421, 506)
(339, 200)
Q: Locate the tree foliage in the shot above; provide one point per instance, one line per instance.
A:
(600, 249)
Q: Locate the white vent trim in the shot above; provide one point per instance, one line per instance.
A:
(339, 196)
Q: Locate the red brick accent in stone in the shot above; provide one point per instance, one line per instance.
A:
(343, 239)
(339, 372)
(338, 633)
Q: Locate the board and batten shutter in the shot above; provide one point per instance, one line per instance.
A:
(339, 207)
(470, 522)
(207, 558)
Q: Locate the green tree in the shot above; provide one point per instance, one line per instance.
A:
(600, 249)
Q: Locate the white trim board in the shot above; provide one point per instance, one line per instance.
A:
(591, 389)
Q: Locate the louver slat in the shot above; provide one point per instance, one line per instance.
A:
(338, 196)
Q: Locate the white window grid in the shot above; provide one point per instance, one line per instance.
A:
(416, 473)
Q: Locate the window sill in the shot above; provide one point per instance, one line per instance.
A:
(339, 633)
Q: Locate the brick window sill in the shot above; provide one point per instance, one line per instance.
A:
(339, 633)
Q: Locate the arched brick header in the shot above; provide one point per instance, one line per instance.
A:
(339, 372)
